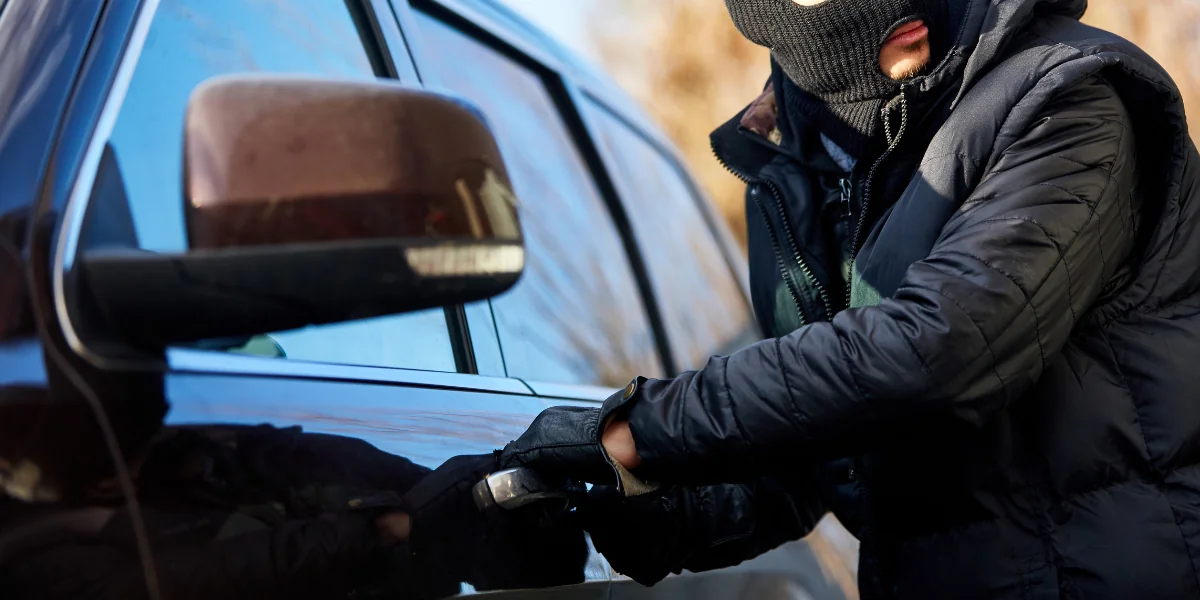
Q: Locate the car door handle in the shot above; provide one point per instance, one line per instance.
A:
(514, 488)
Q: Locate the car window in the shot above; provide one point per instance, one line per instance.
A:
(703, 307)
(576, 316)
(192, 40)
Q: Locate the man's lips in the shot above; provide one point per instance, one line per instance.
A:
(908, 34)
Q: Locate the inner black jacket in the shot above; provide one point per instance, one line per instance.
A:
(1021, 393)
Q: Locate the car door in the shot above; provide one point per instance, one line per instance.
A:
(407, 384)
(626, 257)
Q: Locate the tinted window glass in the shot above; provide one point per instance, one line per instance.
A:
(704, 308)
(576, 316)
(192, 40)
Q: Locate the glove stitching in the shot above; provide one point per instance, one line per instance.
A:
(553, 447)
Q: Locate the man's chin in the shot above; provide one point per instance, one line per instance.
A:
(906, 62)
(909, 69)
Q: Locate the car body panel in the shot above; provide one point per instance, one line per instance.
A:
(62, 71)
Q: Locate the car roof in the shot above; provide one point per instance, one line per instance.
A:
(497, 19)
(514, 20)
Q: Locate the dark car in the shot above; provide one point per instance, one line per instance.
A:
(627, 269)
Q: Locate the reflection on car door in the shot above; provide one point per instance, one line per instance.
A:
(423, 416)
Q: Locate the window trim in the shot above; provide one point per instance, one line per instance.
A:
(700, 200)
(734, 259)
(388, 36)
(460, 339)
(184, 360)
(71, 225)
(480, 322)
(568, 391)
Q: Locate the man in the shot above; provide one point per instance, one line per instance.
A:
(973, 242)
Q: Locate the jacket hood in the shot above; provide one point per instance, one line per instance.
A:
(986, 28)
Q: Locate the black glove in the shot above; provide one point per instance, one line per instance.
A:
(698, 528)
(565, 441)
(539, 545)
(445, 522)
(536, 546)
(654, 535)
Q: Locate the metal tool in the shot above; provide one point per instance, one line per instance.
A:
(514, 488)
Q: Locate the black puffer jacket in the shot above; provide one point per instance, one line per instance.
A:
(1016, 377)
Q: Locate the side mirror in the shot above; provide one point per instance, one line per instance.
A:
(310, 201)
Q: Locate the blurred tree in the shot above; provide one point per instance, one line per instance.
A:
(1169, 30)
(692, 70)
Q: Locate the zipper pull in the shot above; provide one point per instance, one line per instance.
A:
(847, 192)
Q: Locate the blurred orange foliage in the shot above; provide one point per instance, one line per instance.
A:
(692, 70)
(1169, 30)
(687, 64)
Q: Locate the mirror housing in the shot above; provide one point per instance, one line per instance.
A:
(311, 201)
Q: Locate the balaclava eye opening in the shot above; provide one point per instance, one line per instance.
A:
(831, 52)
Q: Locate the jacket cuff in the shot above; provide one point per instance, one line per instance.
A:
(629, 485)
(616, 407)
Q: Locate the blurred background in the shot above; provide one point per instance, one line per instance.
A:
(692, 71)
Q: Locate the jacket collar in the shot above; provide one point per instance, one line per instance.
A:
(764, 130)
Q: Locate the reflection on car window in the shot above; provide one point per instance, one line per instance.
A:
(576, 316)
(193, 40)
(703, 306)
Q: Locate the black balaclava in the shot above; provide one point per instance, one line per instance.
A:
(831, 52)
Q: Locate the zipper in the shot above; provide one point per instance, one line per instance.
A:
(787, 274)
(893, 142)
(787, 228)
(859, 472)
(847, 196)
(793, 288)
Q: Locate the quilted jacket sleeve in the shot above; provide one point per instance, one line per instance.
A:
(970, 329)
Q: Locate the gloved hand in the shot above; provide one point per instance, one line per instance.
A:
(565, 441)
(539, 545)
(445, 522)
(651, 536)
(536, 546)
